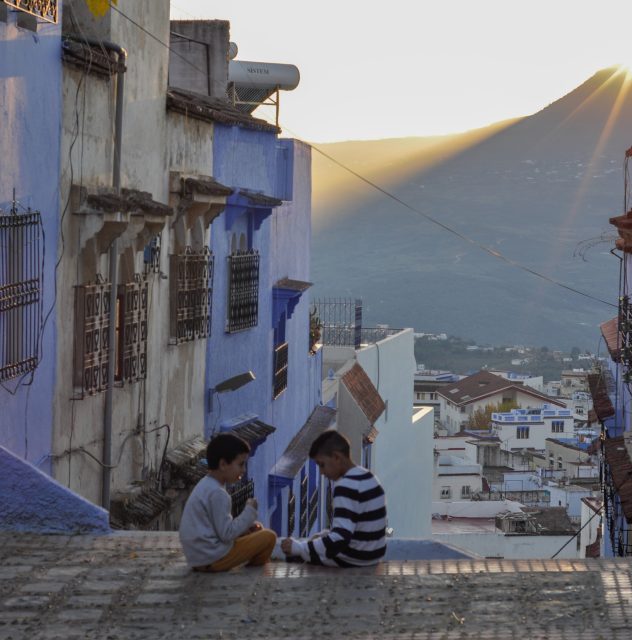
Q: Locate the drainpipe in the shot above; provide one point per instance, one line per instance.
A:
(113, 276)
(112, 257)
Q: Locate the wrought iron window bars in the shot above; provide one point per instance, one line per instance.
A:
(280, 370)
(243, 290)
(21, 281)
(46, 10)
(191, 287)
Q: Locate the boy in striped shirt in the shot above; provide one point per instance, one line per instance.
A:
(358, 531)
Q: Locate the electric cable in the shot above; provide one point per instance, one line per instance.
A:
(492, 252)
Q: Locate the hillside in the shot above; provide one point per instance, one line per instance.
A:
(533, 189)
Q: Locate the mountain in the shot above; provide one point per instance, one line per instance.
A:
(539, 190)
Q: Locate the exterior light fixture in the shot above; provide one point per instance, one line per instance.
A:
(230, 384)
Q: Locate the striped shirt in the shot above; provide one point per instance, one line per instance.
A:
(358, 531)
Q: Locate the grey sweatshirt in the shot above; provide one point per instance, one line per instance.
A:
(207, 528)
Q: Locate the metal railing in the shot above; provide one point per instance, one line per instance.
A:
(340, 320)
(291, 513)
(303, 508)
(46, 10)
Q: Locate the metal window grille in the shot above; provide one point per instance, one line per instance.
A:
(20, 292)
(132, 315)
(303, 508)
(280, 369)
(291, 513)
(313, 511)
(151, 255)
(43, 9)
(239, 492)
(92, 309)
(341, 321)
(625, 337)
(191, 286)
(243, 290)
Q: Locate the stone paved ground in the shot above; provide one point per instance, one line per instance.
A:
(138, 586)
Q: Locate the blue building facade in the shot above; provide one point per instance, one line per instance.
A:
(267, 225)
(30, 132)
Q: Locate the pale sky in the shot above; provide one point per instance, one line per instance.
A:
(374, 69)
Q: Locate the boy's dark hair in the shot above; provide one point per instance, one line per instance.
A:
(328, 442)
(225, 446)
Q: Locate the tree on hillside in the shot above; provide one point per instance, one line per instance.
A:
(481, 418)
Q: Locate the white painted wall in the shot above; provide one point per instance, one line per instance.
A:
(402, 453)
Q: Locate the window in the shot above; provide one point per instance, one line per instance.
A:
(191, 294)
(280, 369)
(557, 426)
(446, 493)
(243, 290)
(560, 464)
(522, 433)
(92, 320)
(433, 396)
(131, 332)
(42, 9)
(466, 491)
(21, 283)
(239, 492)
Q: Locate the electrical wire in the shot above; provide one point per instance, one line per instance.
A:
(597, 513)
(492, 252)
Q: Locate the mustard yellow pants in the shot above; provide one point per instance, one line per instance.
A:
(253, 549)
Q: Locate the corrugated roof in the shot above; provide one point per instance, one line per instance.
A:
(196, 105)
(294, 457)
(483, 384)
(601, 401)
(364, 392)
(610, 333)
(254, 432)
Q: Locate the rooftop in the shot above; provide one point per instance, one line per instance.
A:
(138, 586)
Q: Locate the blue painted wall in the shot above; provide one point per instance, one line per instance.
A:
(32, 501)
(30, 131)
(259, 161)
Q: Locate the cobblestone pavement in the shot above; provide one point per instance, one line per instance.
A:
(138, 586)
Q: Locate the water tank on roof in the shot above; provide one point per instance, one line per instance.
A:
(263, 75)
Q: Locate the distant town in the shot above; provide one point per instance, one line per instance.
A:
(443, 351)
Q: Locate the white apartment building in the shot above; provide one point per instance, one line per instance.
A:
(530, 428)
(461, 400)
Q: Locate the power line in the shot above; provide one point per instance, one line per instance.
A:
(392, 196)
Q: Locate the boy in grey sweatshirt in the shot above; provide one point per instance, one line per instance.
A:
(212, 540)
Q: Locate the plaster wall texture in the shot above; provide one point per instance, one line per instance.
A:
(30, 108)
(403, 451)
(456, 483)
(569, 497)
(207, 71)
(245, 159)
(589, 528)
(31, 501)
(174, 391)
(496, 545)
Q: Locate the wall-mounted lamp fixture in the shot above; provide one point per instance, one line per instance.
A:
(230, 384)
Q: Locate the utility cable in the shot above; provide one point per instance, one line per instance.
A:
(388, 194)
(594, 515)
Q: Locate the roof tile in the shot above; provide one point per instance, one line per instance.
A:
(364, 392)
